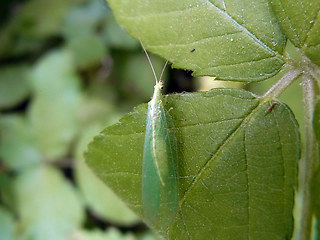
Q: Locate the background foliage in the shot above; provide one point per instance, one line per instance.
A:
(67, 70)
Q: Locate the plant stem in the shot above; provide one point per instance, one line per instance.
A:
(282, 84)
(309, 160)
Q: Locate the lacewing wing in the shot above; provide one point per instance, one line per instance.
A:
(159, 175)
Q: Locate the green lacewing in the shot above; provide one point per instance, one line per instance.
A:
(159, 176)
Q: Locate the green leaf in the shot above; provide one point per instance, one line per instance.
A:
(6, 225)
(6, 191)
(47, 205)
(84, 56)
(115, 36)
(300, 21)
(99, 197)
(56, 102)
(83, 19)
(32, 22)
(136, 76)
(236, 40)
(18, 148)
(40, 19)
(14, 86)
(237, 165)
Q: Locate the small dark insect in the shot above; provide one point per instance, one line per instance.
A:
(269, 109)
(192, 50)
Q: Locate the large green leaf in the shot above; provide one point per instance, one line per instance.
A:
(237, 165)
(47, 205)
(300, 20)
(232, 40)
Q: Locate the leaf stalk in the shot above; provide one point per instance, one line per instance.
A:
(282, 84)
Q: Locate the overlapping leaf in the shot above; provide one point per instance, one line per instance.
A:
(232, 40)
(300, 21)
(237, 165)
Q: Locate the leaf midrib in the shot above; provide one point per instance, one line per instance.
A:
(250, 34)
(230, 18)
(244, 123)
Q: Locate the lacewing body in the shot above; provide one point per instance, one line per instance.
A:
(159, 177)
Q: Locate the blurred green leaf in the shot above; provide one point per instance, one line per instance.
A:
(18, 148)
(237, 165)
(41, 18)
(14, 86)
(148, 236)
(300, 21)
(100, 198)
(135, 74)
(6, 225)
(83, 19)
(88, 50)
(56, 102)
(6, 190)
(115, 36)
(47, 205)
(110, 234)
(32, 22)
(232, 41)
(96, 114)
(97, 110)
(14, 44)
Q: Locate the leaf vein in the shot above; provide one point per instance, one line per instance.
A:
(309, 31)
(194, 42)
(241, 63)
(250, 34)
(212, 158)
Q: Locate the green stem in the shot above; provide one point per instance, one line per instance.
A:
(282, 84)
(308, 162)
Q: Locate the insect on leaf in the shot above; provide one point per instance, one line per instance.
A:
(236, 163)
